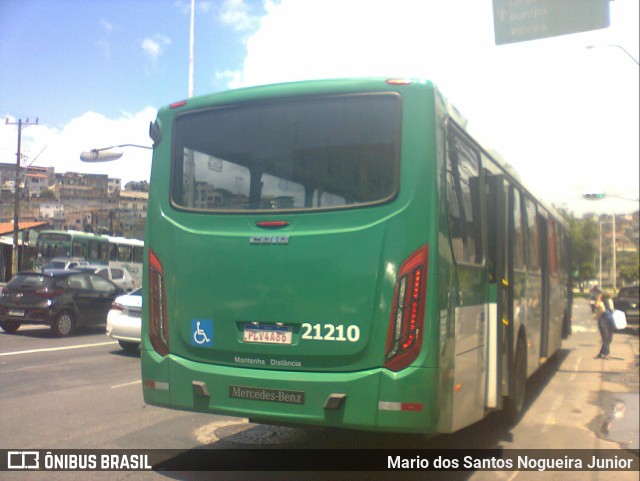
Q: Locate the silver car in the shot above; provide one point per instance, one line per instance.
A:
(120, 277)
(124, 320)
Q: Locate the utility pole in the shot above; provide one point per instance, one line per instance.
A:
(16, 199)
(191, 48)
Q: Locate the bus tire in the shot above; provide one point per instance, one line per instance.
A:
(514, 404)
(63, 325)
(10, 326)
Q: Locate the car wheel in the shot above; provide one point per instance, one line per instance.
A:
(10, 326)
(63, 325)
(129, 346)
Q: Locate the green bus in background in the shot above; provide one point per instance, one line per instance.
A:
(70, 244)
(344, 254)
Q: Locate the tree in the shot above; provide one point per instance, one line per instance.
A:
(628, 267)
(584, 236)
(47, 194)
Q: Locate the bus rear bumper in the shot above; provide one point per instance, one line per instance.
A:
(375, 399)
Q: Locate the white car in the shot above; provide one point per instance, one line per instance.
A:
(120, 277)
(64, 263)
(124, 320)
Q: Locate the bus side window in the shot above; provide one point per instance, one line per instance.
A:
(463, 198)
(79, 249)
(553, 248)
(533, 253)
(518, 241)
(94, 249)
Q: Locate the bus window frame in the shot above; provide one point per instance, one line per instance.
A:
(520, 239)
(452, 129)
(176, 167)
(532, 243)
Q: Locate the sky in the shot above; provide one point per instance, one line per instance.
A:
(94, 72)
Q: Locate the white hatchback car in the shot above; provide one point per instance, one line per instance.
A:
(120, 277)
(124, 320)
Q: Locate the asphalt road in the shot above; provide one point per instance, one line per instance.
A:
(84, 392)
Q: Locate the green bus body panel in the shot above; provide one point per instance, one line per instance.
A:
(338, 268)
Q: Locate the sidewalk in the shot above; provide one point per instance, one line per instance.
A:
(599, 396)
(580, 403)
(616, 387)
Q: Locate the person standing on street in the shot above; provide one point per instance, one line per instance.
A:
(603, 310)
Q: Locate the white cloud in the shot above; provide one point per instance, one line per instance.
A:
(202, 6)
(62, 147)
(153, 47)
(104, 43)
(237, 15)
(231, 78)
(106, 25)
(565, 117)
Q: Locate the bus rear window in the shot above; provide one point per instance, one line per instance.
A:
(306, 153)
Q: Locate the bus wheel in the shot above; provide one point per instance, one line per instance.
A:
(63, 325)
(514, 404)
(10, 326)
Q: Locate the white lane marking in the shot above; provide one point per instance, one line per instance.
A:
(64, 348)
(127, 384)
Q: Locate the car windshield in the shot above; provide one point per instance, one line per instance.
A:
(630, 292)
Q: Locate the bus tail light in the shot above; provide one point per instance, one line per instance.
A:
(404, 338)
(158, 322)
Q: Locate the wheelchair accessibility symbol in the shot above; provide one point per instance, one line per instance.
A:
(202, 332)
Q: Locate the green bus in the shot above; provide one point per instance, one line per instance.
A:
(69, 244)
(342, 253)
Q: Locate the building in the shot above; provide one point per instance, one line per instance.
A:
(38, 179)
(76, 201)
(131, 214)
(84, 188)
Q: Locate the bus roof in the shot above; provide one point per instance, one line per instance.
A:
(74, 233)
(125, 241)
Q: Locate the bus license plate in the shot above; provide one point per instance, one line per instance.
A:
(16, 312)
(267, 334)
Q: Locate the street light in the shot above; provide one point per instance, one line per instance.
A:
(617, 46)
(107, 154)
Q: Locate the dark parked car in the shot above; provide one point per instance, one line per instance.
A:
(64, 300)
(627, 301)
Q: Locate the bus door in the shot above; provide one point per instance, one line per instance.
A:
(465, 199)
(496, 201)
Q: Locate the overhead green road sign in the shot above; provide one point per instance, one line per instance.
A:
(522, 20)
